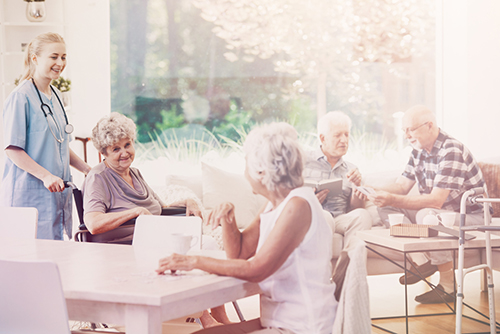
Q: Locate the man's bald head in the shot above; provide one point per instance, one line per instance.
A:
(419, 125)
(419, 115)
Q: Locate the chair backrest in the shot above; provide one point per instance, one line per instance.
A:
(18, 222)
(153, 231)
(31, 298)
(491, 174)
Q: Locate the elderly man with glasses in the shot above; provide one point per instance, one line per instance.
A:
(443, 169)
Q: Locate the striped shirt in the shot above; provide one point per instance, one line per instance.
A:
(449, 165)
(317, 168)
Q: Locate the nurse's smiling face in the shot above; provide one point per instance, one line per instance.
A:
(50, 62)
(120, 155)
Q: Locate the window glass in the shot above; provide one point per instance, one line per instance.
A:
(228, 65)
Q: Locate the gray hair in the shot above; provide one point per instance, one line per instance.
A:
(274, 149)
(328, 122)
(35, 47)
(111, 129)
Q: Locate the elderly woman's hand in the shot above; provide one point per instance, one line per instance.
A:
(221, 214)
(192, 208)
(142, 211)
(176, 262)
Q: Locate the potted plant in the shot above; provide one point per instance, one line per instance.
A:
(64, 86)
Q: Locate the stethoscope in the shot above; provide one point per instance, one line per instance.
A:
(68, 128)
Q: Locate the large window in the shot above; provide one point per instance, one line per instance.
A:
(227, 65)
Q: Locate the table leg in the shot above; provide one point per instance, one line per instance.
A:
(406, 293)
(142, 319)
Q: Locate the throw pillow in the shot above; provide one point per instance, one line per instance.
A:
(220, 186)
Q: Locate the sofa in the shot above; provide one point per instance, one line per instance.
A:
(215, 180)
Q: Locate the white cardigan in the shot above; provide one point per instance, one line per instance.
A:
(353, 311)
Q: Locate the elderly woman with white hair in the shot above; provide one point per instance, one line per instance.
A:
(286, 249)
(114, 192)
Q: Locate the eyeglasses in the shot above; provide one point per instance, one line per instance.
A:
(406, 130)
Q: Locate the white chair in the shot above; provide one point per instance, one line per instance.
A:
(153, 231)
(18, 222)
(31, 298)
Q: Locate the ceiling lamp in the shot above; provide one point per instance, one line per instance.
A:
(35, 10)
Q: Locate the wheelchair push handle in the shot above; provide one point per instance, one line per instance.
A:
(69, 184)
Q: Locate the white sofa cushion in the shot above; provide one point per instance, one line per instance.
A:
(192, 182)
(221, 186)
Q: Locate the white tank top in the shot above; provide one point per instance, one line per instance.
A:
(299, 295)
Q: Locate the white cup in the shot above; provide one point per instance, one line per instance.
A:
(431, 219)
(396, 218)
(447, 218)
(181, 243)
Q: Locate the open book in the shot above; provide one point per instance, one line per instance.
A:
(334, 185)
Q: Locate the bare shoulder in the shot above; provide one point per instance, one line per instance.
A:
(297, 206)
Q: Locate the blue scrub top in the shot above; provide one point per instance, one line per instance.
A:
(25, 126)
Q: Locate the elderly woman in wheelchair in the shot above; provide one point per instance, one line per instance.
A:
(114, 192)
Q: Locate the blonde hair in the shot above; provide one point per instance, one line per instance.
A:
(111, 129)
(274, 150)
(35, 47)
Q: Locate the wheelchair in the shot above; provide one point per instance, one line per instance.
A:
(127, 228)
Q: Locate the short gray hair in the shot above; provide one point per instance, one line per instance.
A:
(111, 129)
(334, 118)
(274, 149)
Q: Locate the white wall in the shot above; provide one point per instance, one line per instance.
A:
(88, 47)
(469, 62)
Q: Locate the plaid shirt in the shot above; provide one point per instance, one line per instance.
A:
(317, 168)
(449, 165)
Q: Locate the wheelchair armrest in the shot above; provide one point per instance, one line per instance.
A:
(84, 228)
(129, 222)
(84, 235)
(173, 211)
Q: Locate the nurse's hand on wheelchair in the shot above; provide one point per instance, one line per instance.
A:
(53, 183)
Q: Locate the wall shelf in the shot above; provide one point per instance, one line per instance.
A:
(32, 24)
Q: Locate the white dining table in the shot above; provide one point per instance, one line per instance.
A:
(117, 284)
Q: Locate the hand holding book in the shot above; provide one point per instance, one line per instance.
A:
(334, 186)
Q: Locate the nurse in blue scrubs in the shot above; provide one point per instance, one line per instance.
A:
(36, 141)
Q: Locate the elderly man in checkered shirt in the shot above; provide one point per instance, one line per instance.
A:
(443, 169)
